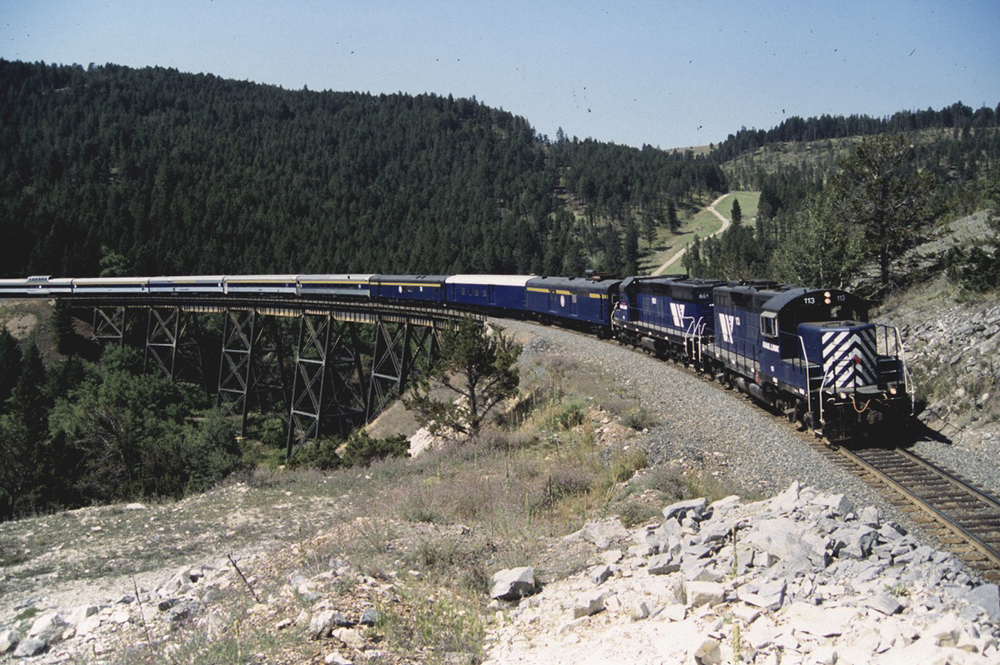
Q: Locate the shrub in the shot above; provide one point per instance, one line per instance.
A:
(977, 269)
(362, 449)
(562, 482)
(573, 415)
(212, 451)
(664, 480)
(638, 419)
(634, 512)
(316, 454)
(625, 463)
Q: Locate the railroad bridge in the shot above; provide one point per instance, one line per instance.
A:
(349, 360)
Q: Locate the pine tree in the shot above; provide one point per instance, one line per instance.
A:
(630, 261)
(649, 228)
(737, 213)
(673, 222)
(612, 247)
(10, 365)
(880, 192)
(477, 365)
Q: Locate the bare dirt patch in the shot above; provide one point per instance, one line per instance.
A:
(21, 325)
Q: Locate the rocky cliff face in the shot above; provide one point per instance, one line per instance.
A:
(953, 348)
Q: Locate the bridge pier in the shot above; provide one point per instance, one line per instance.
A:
(249, 366)
(162, 332)
(396, 352)
(109, 324)
(328, 378)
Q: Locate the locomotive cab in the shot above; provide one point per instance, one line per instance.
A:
(859, 377)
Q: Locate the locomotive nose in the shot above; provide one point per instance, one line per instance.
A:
(846, 351)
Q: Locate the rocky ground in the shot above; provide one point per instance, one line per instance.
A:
(952, 340)
(804, 577)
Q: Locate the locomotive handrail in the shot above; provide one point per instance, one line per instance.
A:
(689, 336)
(829, 374)
(900, 354)
(697, 333)
(805, 357)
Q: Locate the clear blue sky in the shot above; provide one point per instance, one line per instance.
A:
(665, 73)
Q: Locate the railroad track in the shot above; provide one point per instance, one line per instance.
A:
(962, 517)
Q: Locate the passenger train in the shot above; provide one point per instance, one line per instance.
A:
(809, 353)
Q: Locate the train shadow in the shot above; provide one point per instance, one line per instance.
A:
(923, 432)
(915, 431)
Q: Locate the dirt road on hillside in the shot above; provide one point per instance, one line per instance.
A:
(680, 255)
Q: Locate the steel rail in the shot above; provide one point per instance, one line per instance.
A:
(989, 553)
(988, 499)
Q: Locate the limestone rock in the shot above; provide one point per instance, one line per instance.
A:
(322, 623)
(692, 507)
(45, 631)
(513, 583)
(352, 637)
(588, 605)
(768, 595)
(709, 653)
(600, 574)
(30, 646)
(704, 593)
(884, 603)
(9, 639)
(603, 532)
(663, 564)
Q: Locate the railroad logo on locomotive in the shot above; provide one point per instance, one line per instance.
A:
(728, 322)
(677, 312)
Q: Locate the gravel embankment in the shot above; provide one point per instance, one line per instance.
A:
(698, 420)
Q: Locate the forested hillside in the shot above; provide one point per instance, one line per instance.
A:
(153, 171)
(839, 194)
(958, 117)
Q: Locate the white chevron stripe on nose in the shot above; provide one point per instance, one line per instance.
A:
(840, 348)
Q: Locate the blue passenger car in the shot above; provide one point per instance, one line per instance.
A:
(491, 294)
(409, 288)
(576, 301)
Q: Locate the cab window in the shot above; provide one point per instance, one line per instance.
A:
(769, 324)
